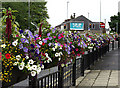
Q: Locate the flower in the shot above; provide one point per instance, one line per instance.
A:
(30, 61)
(48, 34)
(23, 40)
(15, 63)
(21, 31)
(34, 67)
(14, 43)
(38, 70)
(27, 57)
(20, 46)
(21, 66)
(40, 42)
(18, 57)
(25, 49)
(33, 73)
(7, 56)
(53, 49)
(3, 45)
(56, 54)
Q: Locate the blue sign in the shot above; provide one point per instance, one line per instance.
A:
(76, 26)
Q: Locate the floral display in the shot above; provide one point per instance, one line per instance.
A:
(30, 52)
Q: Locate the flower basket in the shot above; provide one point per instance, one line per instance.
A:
(16, 76)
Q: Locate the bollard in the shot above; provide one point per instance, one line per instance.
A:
(82, 65)
(88, 59)
(32, 81)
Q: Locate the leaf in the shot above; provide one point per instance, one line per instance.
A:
(17, 23)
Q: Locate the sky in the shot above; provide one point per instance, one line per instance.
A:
(57, 10)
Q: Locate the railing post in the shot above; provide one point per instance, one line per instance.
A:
(108, 47)
(82, 65)
(113, 45)
(60, 77)
(118, 43)
(88, 59)
(32, 81)
(74, 74)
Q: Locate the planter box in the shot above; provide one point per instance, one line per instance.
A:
(16, 77)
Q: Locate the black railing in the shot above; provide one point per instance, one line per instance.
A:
(66, 76)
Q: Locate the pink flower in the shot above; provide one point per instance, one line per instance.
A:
(37, 38)
(56, 41)
(46, 38)
(17, 35)
(78, 54)
(76, 49)
(61, 45)
(59, 37)
(54, 36)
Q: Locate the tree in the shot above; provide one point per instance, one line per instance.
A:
(38, 13)
(115, 23)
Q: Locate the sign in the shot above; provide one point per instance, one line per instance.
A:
(76, 26)
(102, 25)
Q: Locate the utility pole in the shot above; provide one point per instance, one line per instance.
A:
(88, 15)
(100, 10)
(29, 14)
(67, 9)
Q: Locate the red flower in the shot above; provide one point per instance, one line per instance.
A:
(43, 43)
(83, 53)
(7, 55)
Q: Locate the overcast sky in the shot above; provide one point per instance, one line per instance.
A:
(57, 10)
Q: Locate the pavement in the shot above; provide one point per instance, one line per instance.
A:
(104, 73)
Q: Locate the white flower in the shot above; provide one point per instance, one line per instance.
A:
(59, 59)
(38, 70)
(62, 65)
(46, 54)
(42, 66)
(61, 53)
(18, 57)
(33, 73)
(3, 45)
(49, 59)
(23, 36)
(14, 43)
(40, 42)
(57, 54)
(60, 47)
(21, 66)
(30, 61)
(90, 47)
(56, 45)
(34, 67)
(53, 49)
(27, 57)
(15, 64)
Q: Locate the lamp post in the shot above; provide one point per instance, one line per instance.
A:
(100, 10)
(67, 9)
(29, 14)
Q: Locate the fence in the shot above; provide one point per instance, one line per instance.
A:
(66, 76)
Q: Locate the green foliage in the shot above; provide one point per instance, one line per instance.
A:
(38, 13)
(113, 24)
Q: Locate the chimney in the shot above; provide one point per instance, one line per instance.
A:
(74, 15)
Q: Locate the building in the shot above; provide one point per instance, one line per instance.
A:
(88, 24)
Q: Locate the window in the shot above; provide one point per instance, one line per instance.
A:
(93, 26)
(90, 25)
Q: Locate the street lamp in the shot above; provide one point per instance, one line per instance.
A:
(28, 14)
(67, 9)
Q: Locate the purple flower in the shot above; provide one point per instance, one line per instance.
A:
(50, 38)
(36, 35)
(25, 49)
(53, 31)
(20, 46)
(21, 31)
(32, 45)
(78, 44)
(45, 41)
(23, 40)
(37, 51)
(68, 52)
(38, 45)
(50, 44)
(48, 34)
(69, 48)
(59, 44)
(26, 41)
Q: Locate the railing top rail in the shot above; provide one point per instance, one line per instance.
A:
(47, 75)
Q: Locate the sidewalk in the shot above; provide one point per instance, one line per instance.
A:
(104, 74)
